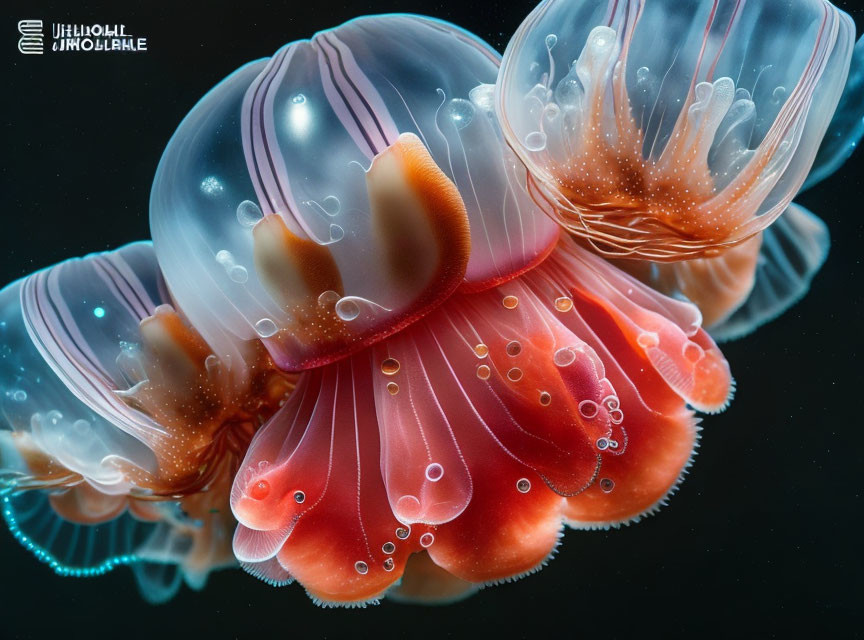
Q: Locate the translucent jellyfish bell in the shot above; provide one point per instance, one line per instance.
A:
(336, 192)
(102, 376)
(44, 420)
(670, 129)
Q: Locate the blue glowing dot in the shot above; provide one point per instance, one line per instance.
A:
(99, 312)
(211, 186)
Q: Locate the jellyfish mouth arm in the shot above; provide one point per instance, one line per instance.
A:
(311, 485)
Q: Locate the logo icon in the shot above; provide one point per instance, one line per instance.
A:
(31, 41)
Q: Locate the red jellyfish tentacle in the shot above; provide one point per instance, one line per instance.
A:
(511, 387)
(337, 535)
(269, 571)
(651, 360)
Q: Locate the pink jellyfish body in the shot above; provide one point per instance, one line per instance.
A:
(360, 353)
(470, 381)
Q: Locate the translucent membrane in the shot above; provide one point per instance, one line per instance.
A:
(82, 531)
(717, 285)
(669, 129)
(792, 251)
(509, 417)
(330, 195)
(111, 405)
(111, 380)
(846, 127)
(45, 421)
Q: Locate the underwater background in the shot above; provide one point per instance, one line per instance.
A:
(763, 537)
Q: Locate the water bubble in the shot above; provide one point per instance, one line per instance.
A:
(481, 350)
(563, 304)
(545, 398)
(602, 444)
(606, 485)
(611, 402)
(388, 547)
(778, 95)
(642, 74)
(523, 485)
(693, 352)
(238, 273)
(328, 298)
(361, 567)
(331, 205)
(347, 310)
(460, 112)
(298, 99)
(224, 257)
(564, 357)
(551, 40)
(648, 340)
(568, 92)
(483, 372)
(515, 374)
(299, 497)
(392, 388)
(434, 472)
(389, 564)
(535, 141)
(81, 426)
(19, 395)
(510, 302)
(336, 233)
(390, 366)
(616, 416)
(427, 539)
(249, 213)
(588, 409)
(54, 417)
(513, 348)
(403, 532)
(265, 328)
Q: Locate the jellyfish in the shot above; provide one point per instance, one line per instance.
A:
(757, 281)
(670, 135)
(122, 429)
(470, 379)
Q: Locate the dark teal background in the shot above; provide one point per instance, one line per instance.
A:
(763, 539)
